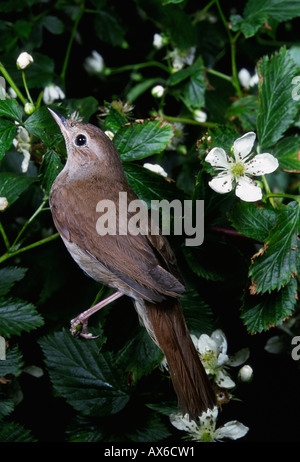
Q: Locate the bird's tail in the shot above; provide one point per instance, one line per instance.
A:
(190, 381)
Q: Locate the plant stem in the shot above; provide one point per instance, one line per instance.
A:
(38, 210)
(66, 60)
(219, 74)
(232, 41)
(268, 191)
(12, 84)
(136, 67)
(5, 238)
(285, 196)
(8, 254)
(185, 120)
(26, 87)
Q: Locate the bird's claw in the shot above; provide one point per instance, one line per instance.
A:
(78, 329)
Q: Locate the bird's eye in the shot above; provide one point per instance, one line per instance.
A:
(80, 140)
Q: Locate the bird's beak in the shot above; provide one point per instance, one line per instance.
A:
(59, 119)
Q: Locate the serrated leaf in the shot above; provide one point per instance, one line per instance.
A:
(115, 119)
(12, 185)
(11, 432)
(85, 377)
(142, 139)
(12, 364)
(50, 168)
(42, 125)
(253, 221)
(140, 355)
(17, 316)
(256, 12)
(260, 312)
(6, 407)
(277, 109)
(153, 430)
(194, 91)
(8, 131)
(149, 185)
(245, 109)
(9, 108)
(287, 151)
(278, 263)
(9, 276)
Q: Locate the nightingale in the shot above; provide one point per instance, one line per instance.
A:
(141, 266)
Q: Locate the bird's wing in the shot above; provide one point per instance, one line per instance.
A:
(146, 263)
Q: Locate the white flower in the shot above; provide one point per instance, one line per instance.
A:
(12, 93)
(206, 431)
(158, 41)
(238, 167)
(3, 203)
(180, 58)
(52, 93)
(24, 60)
(94, 64)
(246, 80)
(156, 168)
(199, 115)
(213, 355)
(157, 91)
(22, 144)
(245, 373)
(110, 134)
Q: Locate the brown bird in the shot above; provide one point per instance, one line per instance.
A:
(141, 266)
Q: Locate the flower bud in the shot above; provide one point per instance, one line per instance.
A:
(52, 93)
(3, 203)
(94, 64)
(157, 91)
(245, 374)
(199, 115)
(24, 60)
(29, 108)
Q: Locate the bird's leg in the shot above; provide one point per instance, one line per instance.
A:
(80, 323)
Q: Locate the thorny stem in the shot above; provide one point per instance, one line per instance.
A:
(26, 87)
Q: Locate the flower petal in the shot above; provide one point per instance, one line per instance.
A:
(239, 358)
(262, 164)
(217, 157)
(248, 190)
(232, 430)
(223, 380)
(243, 145)
(183, 423)
(219, 337)
(221, 183)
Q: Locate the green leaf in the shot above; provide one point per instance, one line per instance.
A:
(108, 28)
(287, 152)
(6, 407)
(256, 12)
(10, 108)
(140, 355)
(11, 432)
(194, 91)
(53, 24)
(86, 107)
(277, 109)
(115, 119)
(277, 264)
(245, 110)
(17, 316)
(50, 168)
(42, 125)
(153, 430)
(140, 88)
(150, 185)
(260, 312)
(8, 131)
(9, 276)
(253, 221)
(12, 364)
(85, 377)
(40, 72)
(142, 139)
(12, 185)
